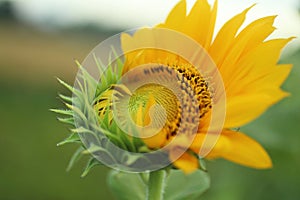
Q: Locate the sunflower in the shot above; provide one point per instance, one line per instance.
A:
(179, 90)
(247, 63)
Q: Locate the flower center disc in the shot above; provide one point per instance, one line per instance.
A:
(181, 95)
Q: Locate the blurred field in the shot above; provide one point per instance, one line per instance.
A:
(31, 55)
(32, 167)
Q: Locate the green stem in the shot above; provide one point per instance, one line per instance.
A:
(156, 185)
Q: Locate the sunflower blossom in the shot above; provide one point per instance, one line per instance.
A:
(178, 94)
(247, 62)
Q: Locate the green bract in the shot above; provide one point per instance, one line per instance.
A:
(81, 115)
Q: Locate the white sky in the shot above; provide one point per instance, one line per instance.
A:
(130, 14)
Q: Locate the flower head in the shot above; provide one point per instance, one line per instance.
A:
(248, 66)
(184, 92)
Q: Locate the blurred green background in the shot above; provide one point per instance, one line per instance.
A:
(32, 167)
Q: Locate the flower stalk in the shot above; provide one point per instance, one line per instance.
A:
(156, 185)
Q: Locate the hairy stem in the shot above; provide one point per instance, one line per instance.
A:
(156, 185)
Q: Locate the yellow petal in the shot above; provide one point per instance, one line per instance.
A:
(152, 137)
(139, 119)
(243, 41)
(245, 151)
(236, 147)
(273, 80)
(151, 102)
(176, 17)
(211, 27)
(127, 42)
(257, 31)
(256, 64)
(127, 46)
(208, 145)
(155, 140)
(245, 108)
(186, 162)
(197, 23)
(226, 36)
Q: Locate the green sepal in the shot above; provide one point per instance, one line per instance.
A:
(68, 120)
(75, 157)
(62, 112)
(69, 87)
(79, 109)
(202, 164)
(73, 138)
(91, 164)
(65, 98)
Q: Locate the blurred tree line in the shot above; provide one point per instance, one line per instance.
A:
(8, 14)
(7, 11)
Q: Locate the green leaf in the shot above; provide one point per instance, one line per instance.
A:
(179, 186)
(126, 186)
(182, 186)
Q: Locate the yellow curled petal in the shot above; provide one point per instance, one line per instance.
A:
(186, 162)
(156, 140)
